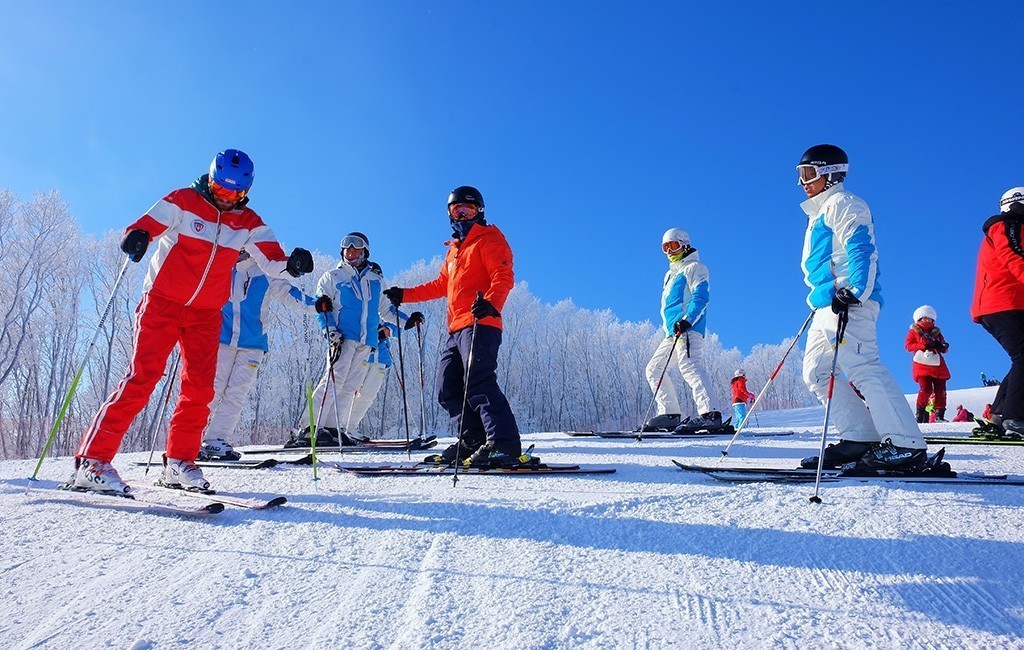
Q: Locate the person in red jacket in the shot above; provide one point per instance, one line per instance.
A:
(476, 277)
(999, 302)
(199, 230)
(740, 397)
(925, 340)
(962, 414)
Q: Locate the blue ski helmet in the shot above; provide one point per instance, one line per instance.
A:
(233, 170)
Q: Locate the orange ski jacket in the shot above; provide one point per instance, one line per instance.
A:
(482, 262)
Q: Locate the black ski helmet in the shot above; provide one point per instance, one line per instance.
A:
(467, 194)
(823, 157)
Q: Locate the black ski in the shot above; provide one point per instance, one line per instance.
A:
(430, 469)
(775, 475)
(662, 435)
(973, 440)
(238, 464)
(132, 503)
(212, 495)
(413, 445)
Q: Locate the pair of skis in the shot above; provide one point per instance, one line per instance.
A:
(367, 446)
(986, 433)
(668, 435)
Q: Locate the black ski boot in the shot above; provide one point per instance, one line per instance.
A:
(922, 415)
(299, 438)
(664, 422)
(886, 456)
(839, 454)
(989, 429)
(940, 415)
(351, 440)
(490, 456)
(710, 422)
(447, 457)
(1013, 429)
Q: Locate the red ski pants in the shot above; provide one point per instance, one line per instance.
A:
(931, 386)
(160, 324)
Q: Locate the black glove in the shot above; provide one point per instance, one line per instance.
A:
(383, 333)
(134, 244)
(943, 347)
(842, 300)
(323, 305)
(482, 309)
(681, 326)
(395, 294)
(336, 338)
(300, 262)
(415, 318)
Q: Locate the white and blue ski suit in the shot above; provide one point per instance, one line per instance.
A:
(374, 371)
(359, 310)
(243, 341)
(839, 251)
(685, 295)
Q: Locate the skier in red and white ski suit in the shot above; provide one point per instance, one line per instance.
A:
(199, 231)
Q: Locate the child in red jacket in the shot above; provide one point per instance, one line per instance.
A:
(740, 397)
(929, 368)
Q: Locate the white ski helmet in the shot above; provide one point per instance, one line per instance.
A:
(924, 311)
(739, 373)
(1012, 195)
(676, 234)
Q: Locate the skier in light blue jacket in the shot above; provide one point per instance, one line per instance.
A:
(354, 289)
(684, 302)
(840, 264)
(243, 346)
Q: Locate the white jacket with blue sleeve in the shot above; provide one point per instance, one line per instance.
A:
(686, 294)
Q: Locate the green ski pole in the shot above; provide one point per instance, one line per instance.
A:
(81, 370)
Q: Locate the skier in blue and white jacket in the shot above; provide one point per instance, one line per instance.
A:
(354, 289)
(840, 264)
(243, 346)
(684, 301)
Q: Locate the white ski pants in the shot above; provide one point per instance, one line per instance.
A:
(373, 379)
(236, 373)
(688, 354)
(890, 415)
(348, 374)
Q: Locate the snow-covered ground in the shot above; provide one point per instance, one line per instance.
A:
(647, 557)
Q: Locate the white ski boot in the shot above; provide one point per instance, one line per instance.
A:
(183, 475)
(96, 476)
(217, 449)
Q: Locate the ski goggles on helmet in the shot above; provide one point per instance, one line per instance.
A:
(354, 241)
(463, 211)
(810, 173)
(672, 247)
(225, 194)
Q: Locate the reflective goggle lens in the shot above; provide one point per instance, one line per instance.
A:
(353, 241)
(462, 211)
(807, 174)
(672, 247)
(225, 194)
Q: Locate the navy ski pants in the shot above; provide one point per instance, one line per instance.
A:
(488, 416)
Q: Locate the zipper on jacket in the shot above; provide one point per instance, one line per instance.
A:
(209, 262)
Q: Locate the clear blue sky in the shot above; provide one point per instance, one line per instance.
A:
(589, 127)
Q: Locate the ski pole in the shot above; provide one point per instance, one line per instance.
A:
(401, 373)
(165, 397)
(309, 387)
(337, 416)
(764, 389)
(419, 358)
(81, 369)
(465, 395)
(384, 400)
(640, 429)
(840, 332)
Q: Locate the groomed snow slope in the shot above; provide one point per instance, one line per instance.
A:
(647, 557)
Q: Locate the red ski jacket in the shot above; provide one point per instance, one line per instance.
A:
(740, 394)
(927, 363)
(482, 262)
(198, 246)
(999, 282)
